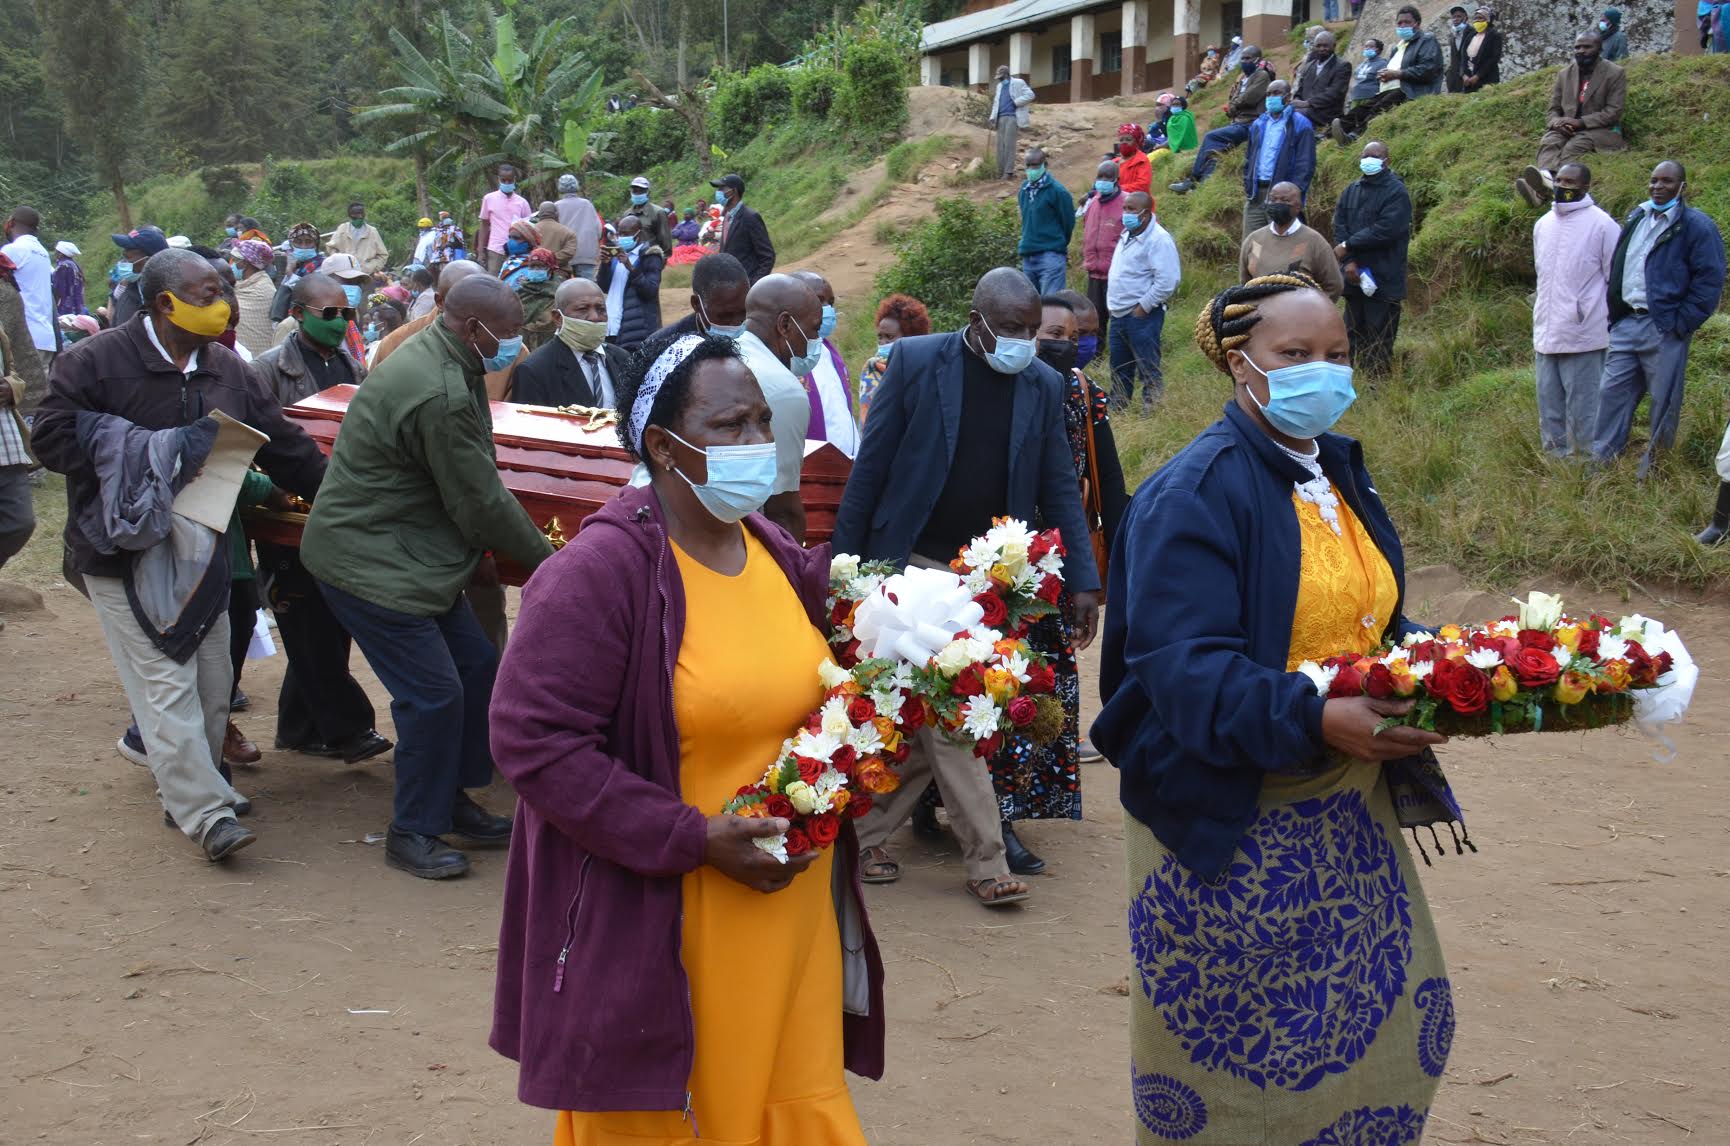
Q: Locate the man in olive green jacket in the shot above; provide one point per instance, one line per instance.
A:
(411, 503)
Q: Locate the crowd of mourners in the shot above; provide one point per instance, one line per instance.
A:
(661, 656)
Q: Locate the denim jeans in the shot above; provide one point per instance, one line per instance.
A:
(1218, 140)
(1135, 355)
(1047, 270)
(439, 671)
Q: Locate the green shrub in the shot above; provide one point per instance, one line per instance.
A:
(743, 105)
(872, 102)
(940, 260)
(647, 137)
(225, 184)
(814, 91)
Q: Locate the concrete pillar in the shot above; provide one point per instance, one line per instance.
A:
(1265, 24)
(1021, 55)
(931, 71)
(979, 65)
(1081, 49)
(1134, 46)
(1185, 42)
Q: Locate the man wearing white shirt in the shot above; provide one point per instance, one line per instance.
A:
(1144, 275)
(832, 418)
(423, 244)
(35, 276)
(781, 346)
(1286, 244)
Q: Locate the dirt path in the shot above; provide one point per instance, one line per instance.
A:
(152, 997)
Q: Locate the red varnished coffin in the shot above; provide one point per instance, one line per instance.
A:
(559, 469)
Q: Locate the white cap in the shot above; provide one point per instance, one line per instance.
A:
(68, 248)
(180, 241)
(342, 266)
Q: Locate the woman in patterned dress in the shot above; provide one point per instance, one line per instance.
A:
(1288, 985)
(898, 316)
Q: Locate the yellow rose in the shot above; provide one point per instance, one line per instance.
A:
(1002, 576)
(803, 796)
(1568, 636)
(1404, 682)
(1001, 685)
(839, 799)
(1572, 688)
(1450, 633)
(1617, 677)
(1503, 686)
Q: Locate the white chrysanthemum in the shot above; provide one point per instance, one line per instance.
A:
(1414, 638)
(954, 657)
(1322, 678)
(831, 674)
(980, 556)
(1612, 648)
(1052, 562)
(828, 784)
(887, 702)
(1422, 669)
(1484, 659)
(982, 648)
(1563, 656)
(1010, 532)
(865, 739)
(1503, 629)
(902, 678)
(774, 845)
(802, 796)
(980, 717)
(1400, 654)
(820, 745)
(978, 581)
(843, 567)
(1016, 666)
(1027, 580)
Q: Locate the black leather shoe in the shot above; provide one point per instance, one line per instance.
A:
(1021, 861)
(426, 857)
(242, 807)
(239, 702)
(925, 823)
(477, 825)
(310, 748)
(364, 747)
(226, 837)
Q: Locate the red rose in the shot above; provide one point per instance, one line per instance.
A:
(1050, 589)
(850, 654)
(747, 790)
(912, 714)
(901, 753)
(861, 711)
(845, 759)
(859, 804)
(1379, 681)
(996, 612)
(1022, 710)
(1040, 678)
(1663, 663)
(1462, 686)
(779, 806)
(1424, 651)
(838, 611)
(1536, 639)
(1641, 667)
(1589, 641)
(809, 769)
(1348, 681)
(823, 828)
(1533, 667)
(970, 682)
(1038, 548)
(989, 747)
(798, 843)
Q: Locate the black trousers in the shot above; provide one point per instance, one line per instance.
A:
(1096, 295)
(1355, 119)
(242, 618)
(320, 702)
(1372, 324)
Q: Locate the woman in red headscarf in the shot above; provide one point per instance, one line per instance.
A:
(1134, 171)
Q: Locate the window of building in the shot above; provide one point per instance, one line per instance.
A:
(1230, 22)
(1111, 52)
(1060, 64)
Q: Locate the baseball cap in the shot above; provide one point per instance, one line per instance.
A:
(146, 239)
(732, 182)
(640, 183)
(342, 266)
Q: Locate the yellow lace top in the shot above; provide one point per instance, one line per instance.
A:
(1346, 589)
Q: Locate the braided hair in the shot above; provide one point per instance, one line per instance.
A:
(1224, 324)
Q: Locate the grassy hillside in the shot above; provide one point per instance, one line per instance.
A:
(1452, 437)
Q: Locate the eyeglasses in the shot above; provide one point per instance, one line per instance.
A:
(328, 312)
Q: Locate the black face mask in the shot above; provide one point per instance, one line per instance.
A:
(1587, 63)
(1569, 194)
(1281, 213)
(1058, 353)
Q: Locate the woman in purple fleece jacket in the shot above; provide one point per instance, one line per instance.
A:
(659, 975)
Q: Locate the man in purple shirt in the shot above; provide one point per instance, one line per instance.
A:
(68, 279)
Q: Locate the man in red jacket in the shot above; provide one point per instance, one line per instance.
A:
(1101, 224)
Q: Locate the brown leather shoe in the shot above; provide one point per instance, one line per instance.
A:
(237, 749)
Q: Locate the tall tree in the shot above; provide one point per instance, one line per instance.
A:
(93, 59)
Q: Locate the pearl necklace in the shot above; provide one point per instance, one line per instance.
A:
(1318, 491)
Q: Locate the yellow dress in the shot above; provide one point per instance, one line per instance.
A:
(765, 970)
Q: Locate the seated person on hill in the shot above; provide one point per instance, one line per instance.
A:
(1414, 70)
(1585, 116)
(1134, 172)
(1248, 100)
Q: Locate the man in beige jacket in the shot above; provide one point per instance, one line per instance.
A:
(360, 239)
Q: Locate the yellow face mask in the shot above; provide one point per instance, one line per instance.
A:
(204, 321)
(1480, 26)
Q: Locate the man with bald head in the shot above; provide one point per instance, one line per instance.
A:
(578, 367)
(1372, 229)
(450, 275)
(829, 384)
(412, 505)
(151, 371)
(781, 345)
(965, 427)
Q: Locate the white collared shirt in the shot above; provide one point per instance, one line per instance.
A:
(594, 368)
(150, 332)
(35, 275)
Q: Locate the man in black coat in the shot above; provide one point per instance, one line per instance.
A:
(1459, 35)
(577, 368)
(1321, 83)
(743, 233)
(1373, 224)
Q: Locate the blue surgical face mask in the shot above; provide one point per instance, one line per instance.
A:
(1603, 25)
(639, 198)
(1131, 220)
(883, 349)
(1013, 355)
(1369, 53)
(303, 254)
(1305, 400)
(1086, 349)
(1371, 166)
(716, 329)
(125, 272)
(232, 231)
(1035, 174)
(802, 364)
(370, 334)
(508, 188)
(352, 294)
(741, 478)
(627, 242)
(1652, 206)
(1105, 187)
(1275, 104)
(720, 197)
(508, 350)
(1406, 33)
(827, 326)
(533, 275)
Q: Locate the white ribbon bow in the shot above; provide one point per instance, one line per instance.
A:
(913, 615)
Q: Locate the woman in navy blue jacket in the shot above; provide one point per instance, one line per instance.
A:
(1290, 988)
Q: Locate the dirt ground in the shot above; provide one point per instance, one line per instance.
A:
(306, 993)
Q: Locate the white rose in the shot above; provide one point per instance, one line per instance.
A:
(954, 657)
(1541, 611)
(832, 675)
(802, 796)
(843, 567)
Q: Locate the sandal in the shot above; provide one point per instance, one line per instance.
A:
(990, 890)
(877, 867)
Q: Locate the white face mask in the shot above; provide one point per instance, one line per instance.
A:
(741, 478)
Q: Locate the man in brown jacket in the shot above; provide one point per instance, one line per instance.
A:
(556, 237)
(1248, 100)
(1585, 116)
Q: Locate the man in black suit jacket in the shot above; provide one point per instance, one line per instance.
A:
(578, 367)
(1321, 82)
(743, 233)
(965, 427)
(1459, 35)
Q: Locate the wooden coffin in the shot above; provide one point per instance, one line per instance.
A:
(559, 466)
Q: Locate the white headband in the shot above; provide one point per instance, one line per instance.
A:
(668, 362)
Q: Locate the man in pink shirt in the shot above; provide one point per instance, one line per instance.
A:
(499, 209)
(1573, 246)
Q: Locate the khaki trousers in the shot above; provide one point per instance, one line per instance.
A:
(965, 782)
(181, 709)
